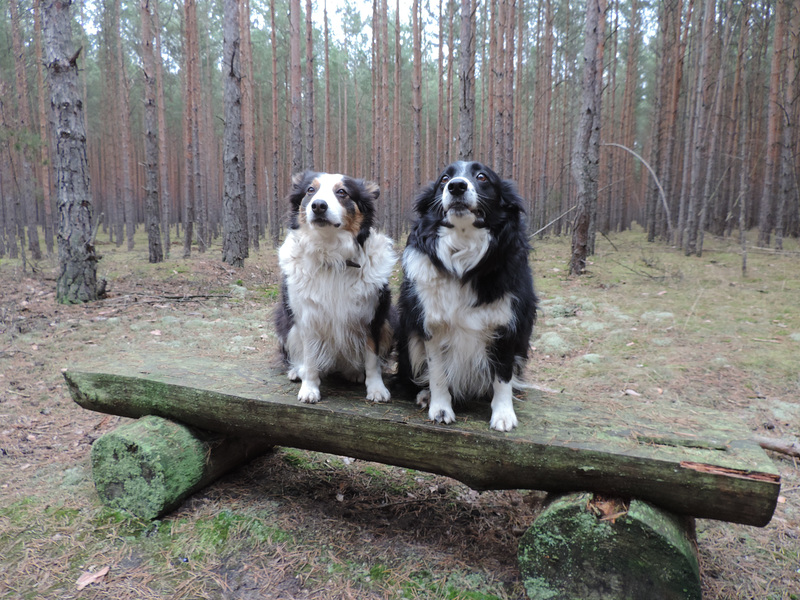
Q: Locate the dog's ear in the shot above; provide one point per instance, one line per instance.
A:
(296, 194)
(425, 199)
(297, 179)
(510, 198)
(372, 189)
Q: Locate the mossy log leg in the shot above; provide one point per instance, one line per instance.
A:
(150, 466)
(585, 547)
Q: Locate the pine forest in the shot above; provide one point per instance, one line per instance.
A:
(690, 127)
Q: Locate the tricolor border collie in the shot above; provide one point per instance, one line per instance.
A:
(335, 300)
(467, 304)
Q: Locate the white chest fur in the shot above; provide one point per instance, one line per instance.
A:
(334, 290)
(459, 329)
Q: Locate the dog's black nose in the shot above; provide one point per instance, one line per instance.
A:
(318, 207)
(457, 187)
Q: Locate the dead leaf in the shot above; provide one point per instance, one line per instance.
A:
(88, 578)
(155, 332)
(632, 393)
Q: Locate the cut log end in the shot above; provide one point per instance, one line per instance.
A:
(150, 466)
(576, 551)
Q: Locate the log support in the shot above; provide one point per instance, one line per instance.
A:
(150, 466)
(587, 547)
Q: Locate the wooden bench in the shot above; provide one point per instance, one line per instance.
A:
(626, 477)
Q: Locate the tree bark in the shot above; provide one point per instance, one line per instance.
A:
(586, 152)
(77, 276)
(252, 202)
(275, 217)
(295, 92)
(163, 145)
(123, 114)
(44, 137)
(190, 188)
(309, 89)
(466, 75)
(766, 210)
(699, 132)
(24, 126)
(151, 140)
(234, 209)
(416, 93)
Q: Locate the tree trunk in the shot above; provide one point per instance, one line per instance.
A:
(309, 88)
(585, 156)
(248, 125)
(788, 191)
(151, 141)
(163, 145)
(189, 115)
(234, 209)
(396, 216)
(24, 126)
(77, 276)
(416, 93)
(44, 137)
(123, 114)
(275, 217)
(701, 111)
(295, 91)
(466, 74)
(329, 161)
(766, 211)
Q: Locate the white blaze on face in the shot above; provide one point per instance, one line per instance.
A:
(459, 191)
(322, 205)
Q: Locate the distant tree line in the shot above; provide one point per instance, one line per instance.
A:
(695, 130)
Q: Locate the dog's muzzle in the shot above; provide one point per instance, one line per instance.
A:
(459, 199)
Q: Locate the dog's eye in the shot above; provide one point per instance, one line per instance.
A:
(445, 179)
(481, 177)
(342, 193)
(310, 190)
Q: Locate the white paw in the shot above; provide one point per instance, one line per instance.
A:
(308, 394)
(377, 392)
(503, 420)
(294, 374)
(441, 410)
(424, 398)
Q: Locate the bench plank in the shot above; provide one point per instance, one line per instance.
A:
(686, 460)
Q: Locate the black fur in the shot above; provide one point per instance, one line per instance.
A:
(502, 271)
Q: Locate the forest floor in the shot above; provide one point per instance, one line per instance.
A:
(294, 524)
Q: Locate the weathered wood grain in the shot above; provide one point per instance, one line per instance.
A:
(680, 458)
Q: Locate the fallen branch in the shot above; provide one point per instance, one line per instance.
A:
(782, 446)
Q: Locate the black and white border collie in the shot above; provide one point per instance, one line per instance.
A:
(335, 298)
(467, 304)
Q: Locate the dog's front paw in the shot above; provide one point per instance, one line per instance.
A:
(424, 398)
(503, 420)
(294, 374)
(308, 394)
(442, 415)
(378, 393)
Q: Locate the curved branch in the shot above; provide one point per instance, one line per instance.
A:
(655, 178)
